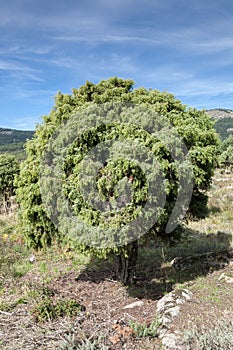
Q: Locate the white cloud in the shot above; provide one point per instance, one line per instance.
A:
(205, 87)
(19, 71)
(26, 123)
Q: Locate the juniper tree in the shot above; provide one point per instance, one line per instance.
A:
(131, 114)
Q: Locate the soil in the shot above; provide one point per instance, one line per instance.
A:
(105, 318)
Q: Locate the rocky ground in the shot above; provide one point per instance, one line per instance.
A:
(110, 309)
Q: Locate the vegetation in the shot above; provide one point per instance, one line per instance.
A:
(65, 299)
(9, 168)
(11, 136)
(17, 149)
(145, 330)
(48, 309)
(224, 127)
(13, 142)
(193, 126)
(219, 338)
(226, 153)
(71, 344)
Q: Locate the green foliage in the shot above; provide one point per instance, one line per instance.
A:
(111, 180)
(7, 307)
(9, 168)
(198, 205)
(48, 309)
(143, 330)
(226, 153)
(13, 254)
(11, 136)
(13, 142)
(12, 147)
(195, 127)
(16, 149)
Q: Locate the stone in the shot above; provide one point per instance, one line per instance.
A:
(163, 306)
(173, 312)
(187, 293)
(168, 308)
(165, 321)
(210, 259)
(169, 341)
(165, 302)
(225, 278)
(135, 304)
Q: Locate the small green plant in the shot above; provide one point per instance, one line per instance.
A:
(7, 307)
(21, 269)
(41, 292)
(143, 330)
(49, 309)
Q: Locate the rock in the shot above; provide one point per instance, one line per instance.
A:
(222, 277)
(169, 341)
(225, 278)
(32, 259)
(187, 294)
(168, 308)
(135, 304)
(229, 279)
(173, 312)
(172, 300)
(164, 303)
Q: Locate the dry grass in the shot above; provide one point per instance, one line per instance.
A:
(220, 205)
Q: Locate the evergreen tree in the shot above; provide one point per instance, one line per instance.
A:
(126, 109)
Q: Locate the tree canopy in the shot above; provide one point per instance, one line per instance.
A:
(130, 114)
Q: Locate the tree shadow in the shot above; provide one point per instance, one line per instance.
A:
(161, 266)
(213, 210)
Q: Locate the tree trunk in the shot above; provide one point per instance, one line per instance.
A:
(126, 265)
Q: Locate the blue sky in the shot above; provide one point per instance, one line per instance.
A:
(181, 46)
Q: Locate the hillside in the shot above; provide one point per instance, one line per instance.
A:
(13, 141)
(220, 113)
(224, 121)
(8, 136)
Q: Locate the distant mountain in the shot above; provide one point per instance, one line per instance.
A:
(220, 113)
(8, 136)
(224, 121)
